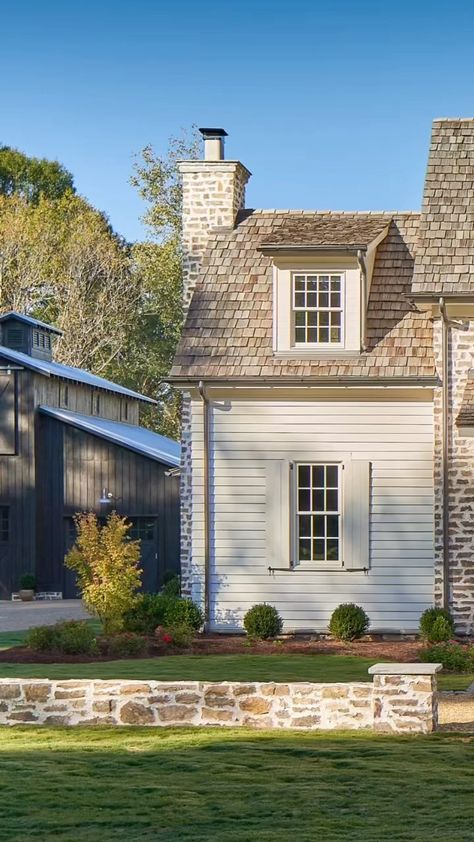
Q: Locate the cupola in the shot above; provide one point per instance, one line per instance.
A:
(23, 333)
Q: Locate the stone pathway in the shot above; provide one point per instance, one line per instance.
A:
(456, 710)
(16, 616)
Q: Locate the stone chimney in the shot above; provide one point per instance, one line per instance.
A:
(213, 194)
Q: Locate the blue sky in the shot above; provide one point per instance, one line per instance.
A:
(328, 102)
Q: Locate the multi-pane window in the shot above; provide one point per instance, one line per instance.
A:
(318, 512)
(4, 524)
(143, 528)
(318, 308)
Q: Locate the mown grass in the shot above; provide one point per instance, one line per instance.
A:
(209, 785)
(280, 667)
(292, 667)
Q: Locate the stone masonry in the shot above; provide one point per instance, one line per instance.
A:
(461, 482)
(398, 703)
(213, 194)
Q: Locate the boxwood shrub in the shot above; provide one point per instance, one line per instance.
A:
(436, 625)
(263, 621)
(348, 621)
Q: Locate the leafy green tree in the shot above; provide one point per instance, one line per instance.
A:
(158, 264)
(31, 178)
(61, 261)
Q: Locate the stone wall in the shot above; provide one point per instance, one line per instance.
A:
(461, 483)
(400, 703)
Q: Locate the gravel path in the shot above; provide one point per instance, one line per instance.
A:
(456, 711)
(16, 616)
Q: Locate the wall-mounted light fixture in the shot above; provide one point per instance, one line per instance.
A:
(107, 498)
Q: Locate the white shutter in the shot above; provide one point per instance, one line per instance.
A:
(277, 507)
(356, 515)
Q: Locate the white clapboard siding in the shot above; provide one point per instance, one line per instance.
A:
(254, 442)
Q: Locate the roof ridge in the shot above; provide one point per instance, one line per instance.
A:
(291, 211)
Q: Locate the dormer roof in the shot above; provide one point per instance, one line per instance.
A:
(228, 334)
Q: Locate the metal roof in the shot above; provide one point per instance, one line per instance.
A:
(138, 439)
(52, 369)
(29, 320)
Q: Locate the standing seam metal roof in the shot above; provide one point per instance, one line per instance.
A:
(53, 369)
(138, 439)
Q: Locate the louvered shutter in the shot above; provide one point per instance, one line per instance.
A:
(356, 515)
(278, 512)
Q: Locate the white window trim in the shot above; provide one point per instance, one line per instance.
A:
(283, 335)
(315, 346)
(316, 564)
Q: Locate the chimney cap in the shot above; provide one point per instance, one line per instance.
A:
(211, 133)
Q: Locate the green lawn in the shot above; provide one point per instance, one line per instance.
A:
(211, 785)
(249, 667)
(221, 668)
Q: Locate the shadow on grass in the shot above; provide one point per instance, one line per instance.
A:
(172, 784)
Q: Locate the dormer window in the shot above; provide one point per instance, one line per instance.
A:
(318, 313)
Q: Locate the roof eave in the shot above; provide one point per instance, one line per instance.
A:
(273, 248)
(308, 381)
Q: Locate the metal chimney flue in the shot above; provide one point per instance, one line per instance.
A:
(213, 144)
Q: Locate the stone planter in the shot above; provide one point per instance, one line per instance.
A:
(26, 595)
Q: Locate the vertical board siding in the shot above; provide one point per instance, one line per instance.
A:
(396, 438)
(73, 467)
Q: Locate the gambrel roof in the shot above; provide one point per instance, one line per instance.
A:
(229, 327)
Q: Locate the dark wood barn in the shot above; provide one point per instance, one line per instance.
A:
(69, 442)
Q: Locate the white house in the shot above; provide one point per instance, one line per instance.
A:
(328, 425)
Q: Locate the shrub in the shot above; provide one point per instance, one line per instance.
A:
(42, 638)
(105, 561)
(181, 636)
(263, 621)
(125, 645)
(147, 613)
(28, 582)
(153, 610)
(76, 637)
(453, 656)
(183, 612)
(436, 625)
(348, 621)
(73, 637)
(171, 585)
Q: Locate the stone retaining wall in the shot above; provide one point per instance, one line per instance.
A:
(400, 703)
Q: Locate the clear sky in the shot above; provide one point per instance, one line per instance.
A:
(328, 102)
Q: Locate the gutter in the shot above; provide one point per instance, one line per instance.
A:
(184, 380)
(445, 423)
(207, 504)
(363, 298)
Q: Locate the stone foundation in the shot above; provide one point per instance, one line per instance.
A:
(397, 702)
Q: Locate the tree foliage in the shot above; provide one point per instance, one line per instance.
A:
(32, 178)
(61, 261)
(157, 262)
(106, 563)
(119, 305)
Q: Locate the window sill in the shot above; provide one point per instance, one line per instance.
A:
(317, 353)
(310, 568)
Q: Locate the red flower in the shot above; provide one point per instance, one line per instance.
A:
(167, 638)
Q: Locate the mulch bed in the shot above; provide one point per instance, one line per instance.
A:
(382, 650)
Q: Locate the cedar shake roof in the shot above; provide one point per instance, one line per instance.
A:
(326, 229)
(445, 250)
(229, 326)
(466, 413)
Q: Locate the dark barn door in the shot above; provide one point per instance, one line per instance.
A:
(145, 529)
